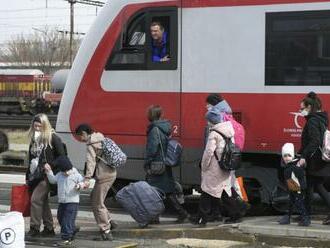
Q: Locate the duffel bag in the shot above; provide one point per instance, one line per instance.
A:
(142, 201)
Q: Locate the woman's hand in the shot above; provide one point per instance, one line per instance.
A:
(47, 167)
(301, 163)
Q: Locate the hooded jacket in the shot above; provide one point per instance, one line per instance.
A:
(165, 182)
(214, 179)
(103, 172)
(311, 141)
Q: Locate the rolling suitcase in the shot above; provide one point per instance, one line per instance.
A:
(142, 201)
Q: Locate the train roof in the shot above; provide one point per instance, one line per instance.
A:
(32, 72)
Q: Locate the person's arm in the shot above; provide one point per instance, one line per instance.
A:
(209, 150)
(57, 146)
(90, 162)
(314, 137)
(50, 175)
(152, 145)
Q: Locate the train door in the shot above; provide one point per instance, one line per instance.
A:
(142, 69)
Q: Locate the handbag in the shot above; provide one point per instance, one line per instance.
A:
(158, 167)
(21, 199)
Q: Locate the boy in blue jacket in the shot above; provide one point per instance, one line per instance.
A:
(69, 182)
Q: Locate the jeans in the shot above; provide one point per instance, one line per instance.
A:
(66, 215)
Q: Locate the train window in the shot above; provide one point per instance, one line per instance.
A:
(148, 42)
(298, 48)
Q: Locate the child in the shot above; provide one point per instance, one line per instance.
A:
(296, 183)
(69, 182)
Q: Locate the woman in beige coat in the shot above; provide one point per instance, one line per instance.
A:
(104, 176)
(215, 181)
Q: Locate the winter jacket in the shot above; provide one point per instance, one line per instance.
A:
(165, 182)
(214, 179)
(299, 172)
(311, 141)
(66, 185)
(103, 172)
(51, 153)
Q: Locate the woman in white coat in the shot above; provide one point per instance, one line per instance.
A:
(215, 181)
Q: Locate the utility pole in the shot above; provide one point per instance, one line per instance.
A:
(72, 2)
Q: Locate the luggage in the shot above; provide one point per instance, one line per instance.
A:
(12, 230)
(142, 201)
(239, 136)
(21, 199)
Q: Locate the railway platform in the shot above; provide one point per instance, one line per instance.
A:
(251, 232)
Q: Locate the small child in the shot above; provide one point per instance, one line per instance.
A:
(69, 183)
(296, 183)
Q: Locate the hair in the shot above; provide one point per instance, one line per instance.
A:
(155, 23)
(311, 99)
(46, 129)
(155, 112)
(84, 128)
(214, 99)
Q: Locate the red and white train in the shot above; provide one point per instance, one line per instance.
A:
(263, 56)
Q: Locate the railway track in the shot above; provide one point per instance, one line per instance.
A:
(21, 121)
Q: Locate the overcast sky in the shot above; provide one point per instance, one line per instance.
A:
(24, 16)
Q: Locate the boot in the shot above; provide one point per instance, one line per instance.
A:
(183, 214)
(305, 221)
(326, 221)
(285, 220)
(34, 232)
(48, 232)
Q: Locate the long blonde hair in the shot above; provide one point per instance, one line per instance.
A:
(46, 129)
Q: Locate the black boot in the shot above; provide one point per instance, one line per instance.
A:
(183, 214)
(34, 232)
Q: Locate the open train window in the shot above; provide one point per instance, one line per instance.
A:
(148, 42)
(298, 48)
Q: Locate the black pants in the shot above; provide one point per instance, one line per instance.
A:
(231, 205)
(66, 215)
(317, 184)
(297, 200)
(207, 204)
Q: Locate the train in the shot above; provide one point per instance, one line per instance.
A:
(28, 91)
(262, 56)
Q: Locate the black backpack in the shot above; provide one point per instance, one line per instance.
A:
(231, 155)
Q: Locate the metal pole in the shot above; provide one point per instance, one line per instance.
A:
(72, 2)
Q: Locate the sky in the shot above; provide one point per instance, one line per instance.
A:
(28, 16)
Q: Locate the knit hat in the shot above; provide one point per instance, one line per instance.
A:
(63, 163)
(213, 116)
(288, 148)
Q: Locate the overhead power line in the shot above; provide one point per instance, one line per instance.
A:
(68, 32)
(87, 2)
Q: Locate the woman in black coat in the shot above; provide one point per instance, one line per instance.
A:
(45, 147)
(157, 138)
(317, 171)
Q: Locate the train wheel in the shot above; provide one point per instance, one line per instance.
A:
(4, 145)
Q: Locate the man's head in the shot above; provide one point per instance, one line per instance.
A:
(288, 152)
(157, 31)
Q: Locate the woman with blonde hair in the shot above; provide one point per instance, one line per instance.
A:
(45, 146)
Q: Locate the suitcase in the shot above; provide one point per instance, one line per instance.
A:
(143, 202)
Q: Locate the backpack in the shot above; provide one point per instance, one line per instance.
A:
(173, 151)
(231, 155)
(112, 155)
(239, 136)
(325, 149)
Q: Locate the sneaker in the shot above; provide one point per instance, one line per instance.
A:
(181, 218)
(47, 232)
(285, 220)
(65, 243)
(105, 236)
(34, 232)
(113, 225)
(305, 222)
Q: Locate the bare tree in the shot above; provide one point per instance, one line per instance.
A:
(45, 49)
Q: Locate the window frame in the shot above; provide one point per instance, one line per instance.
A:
(148, 14)
(270, 33)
